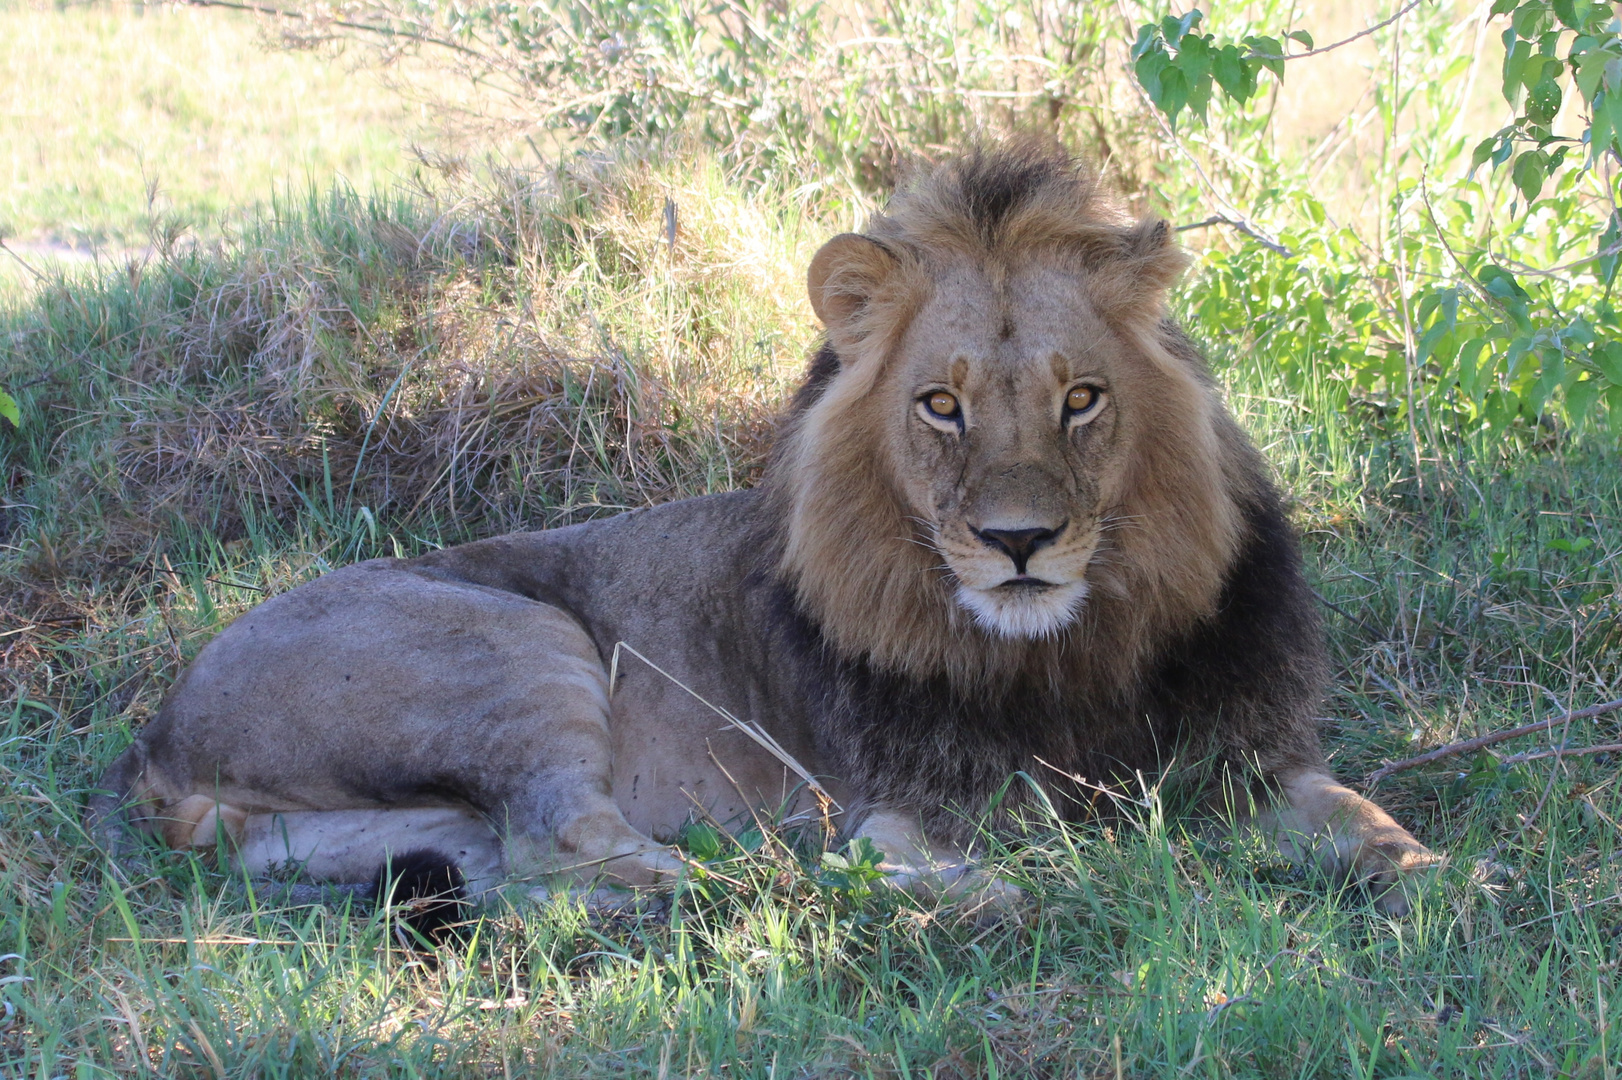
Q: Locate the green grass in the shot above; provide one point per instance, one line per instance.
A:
(362, 376)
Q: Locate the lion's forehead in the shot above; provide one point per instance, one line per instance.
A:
(1027, 325)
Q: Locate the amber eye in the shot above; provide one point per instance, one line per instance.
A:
(1080, 399)
(941, 404)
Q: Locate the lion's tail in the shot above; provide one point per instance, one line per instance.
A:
(426, 890)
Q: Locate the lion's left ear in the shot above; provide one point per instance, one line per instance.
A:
(1131, 279)
(844, 275)
(1154, 254)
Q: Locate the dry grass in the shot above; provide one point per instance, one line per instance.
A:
(116, 113)
(521, 349)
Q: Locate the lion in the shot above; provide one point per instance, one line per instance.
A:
(1007, 527)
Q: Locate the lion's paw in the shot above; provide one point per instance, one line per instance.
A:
(1391, 868)
(959, 883)
(646, 867)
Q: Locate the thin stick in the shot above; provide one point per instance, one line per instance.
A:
(1480, 741)
(1562, 752)
(749, 727)
(299, 16)
(1331, 47)
(1242, 226)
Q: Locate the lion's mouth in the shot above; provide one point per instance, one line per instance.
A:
(1025, 583)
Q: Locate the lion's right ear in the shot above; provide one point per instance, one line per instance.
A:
(844, 275)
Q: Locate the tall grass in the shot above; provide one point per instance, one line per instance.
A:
(361, 377)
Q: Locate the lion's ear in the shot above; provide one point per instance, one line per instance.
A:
(1155, 255)
(844, 274)
(1142, 262)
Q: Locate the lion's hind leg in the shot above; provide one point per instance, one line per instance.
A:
(351, 847)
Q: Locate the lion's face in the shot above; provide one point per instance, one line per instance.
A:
(1008, 440)
(1004, 416)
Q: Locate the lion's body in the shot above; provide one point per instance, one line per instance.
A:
(1082, 572)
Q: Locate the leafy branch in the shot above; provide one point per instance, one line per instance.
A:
(1477, 340)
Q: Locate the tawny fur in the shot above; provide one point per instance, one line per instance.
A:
(916, 603)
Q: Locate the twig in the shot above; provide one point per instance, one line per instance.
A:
(383, 31)
(1348, 616)
(23, 262)
(1561, 752)
(1480, 741)
(1332, 46)
(1242, 226)
(750, 728)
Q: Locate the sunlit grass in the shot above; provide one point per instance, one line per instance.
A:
(118, 117)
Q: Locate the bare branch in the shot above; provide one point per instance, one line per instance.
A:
(1468, 745)
(1240, 225)
(1332, 46)
(368, 28)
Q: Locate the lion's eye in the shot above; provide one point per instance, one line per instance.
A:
(1080, 399)
(942, 404)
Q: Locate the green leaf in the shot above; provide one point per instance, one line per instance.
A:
(1599, 133)
(1500, 7)
(1302, 36)
(1613, 113)
(1580, 399)
(1194, 58)
(1150, 68)
(1531, 20)
(9, 410)
(1228, 68)
(1271, 54)
(1502, 284)
(1529, 173)
(1469, 369)
(1516, 55)
(703, 842)
(1608, 358)
(1590, 70)
(1148, 37)
(1543, 100)
(1566, 12)
(1174, 28)
(1483, 151)
(1173, 93)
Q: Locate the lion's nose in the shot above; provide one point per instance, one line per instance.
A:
(1018, 544)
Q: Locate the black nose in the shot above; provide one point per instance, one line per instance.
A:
(1018, 544)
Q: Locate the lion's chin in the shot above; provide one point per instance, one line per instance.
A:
(1024, 608)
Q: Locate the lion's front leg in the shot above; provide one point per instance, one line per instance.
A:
(916, 864)
(1324, 822)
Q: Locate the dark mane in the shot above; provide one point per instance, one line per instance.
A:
(990, 187)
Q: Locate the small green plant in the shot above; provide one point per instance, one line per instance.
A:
(9, 410)
(1536, 80)
(856, 870)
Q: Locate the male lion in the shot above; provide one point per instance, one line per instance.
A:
(1007, 526)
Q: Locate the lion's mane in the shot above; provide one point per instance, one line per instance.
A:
(1198, 606)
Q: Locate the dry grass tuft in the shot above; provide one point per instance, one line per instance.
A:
(493, 352)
